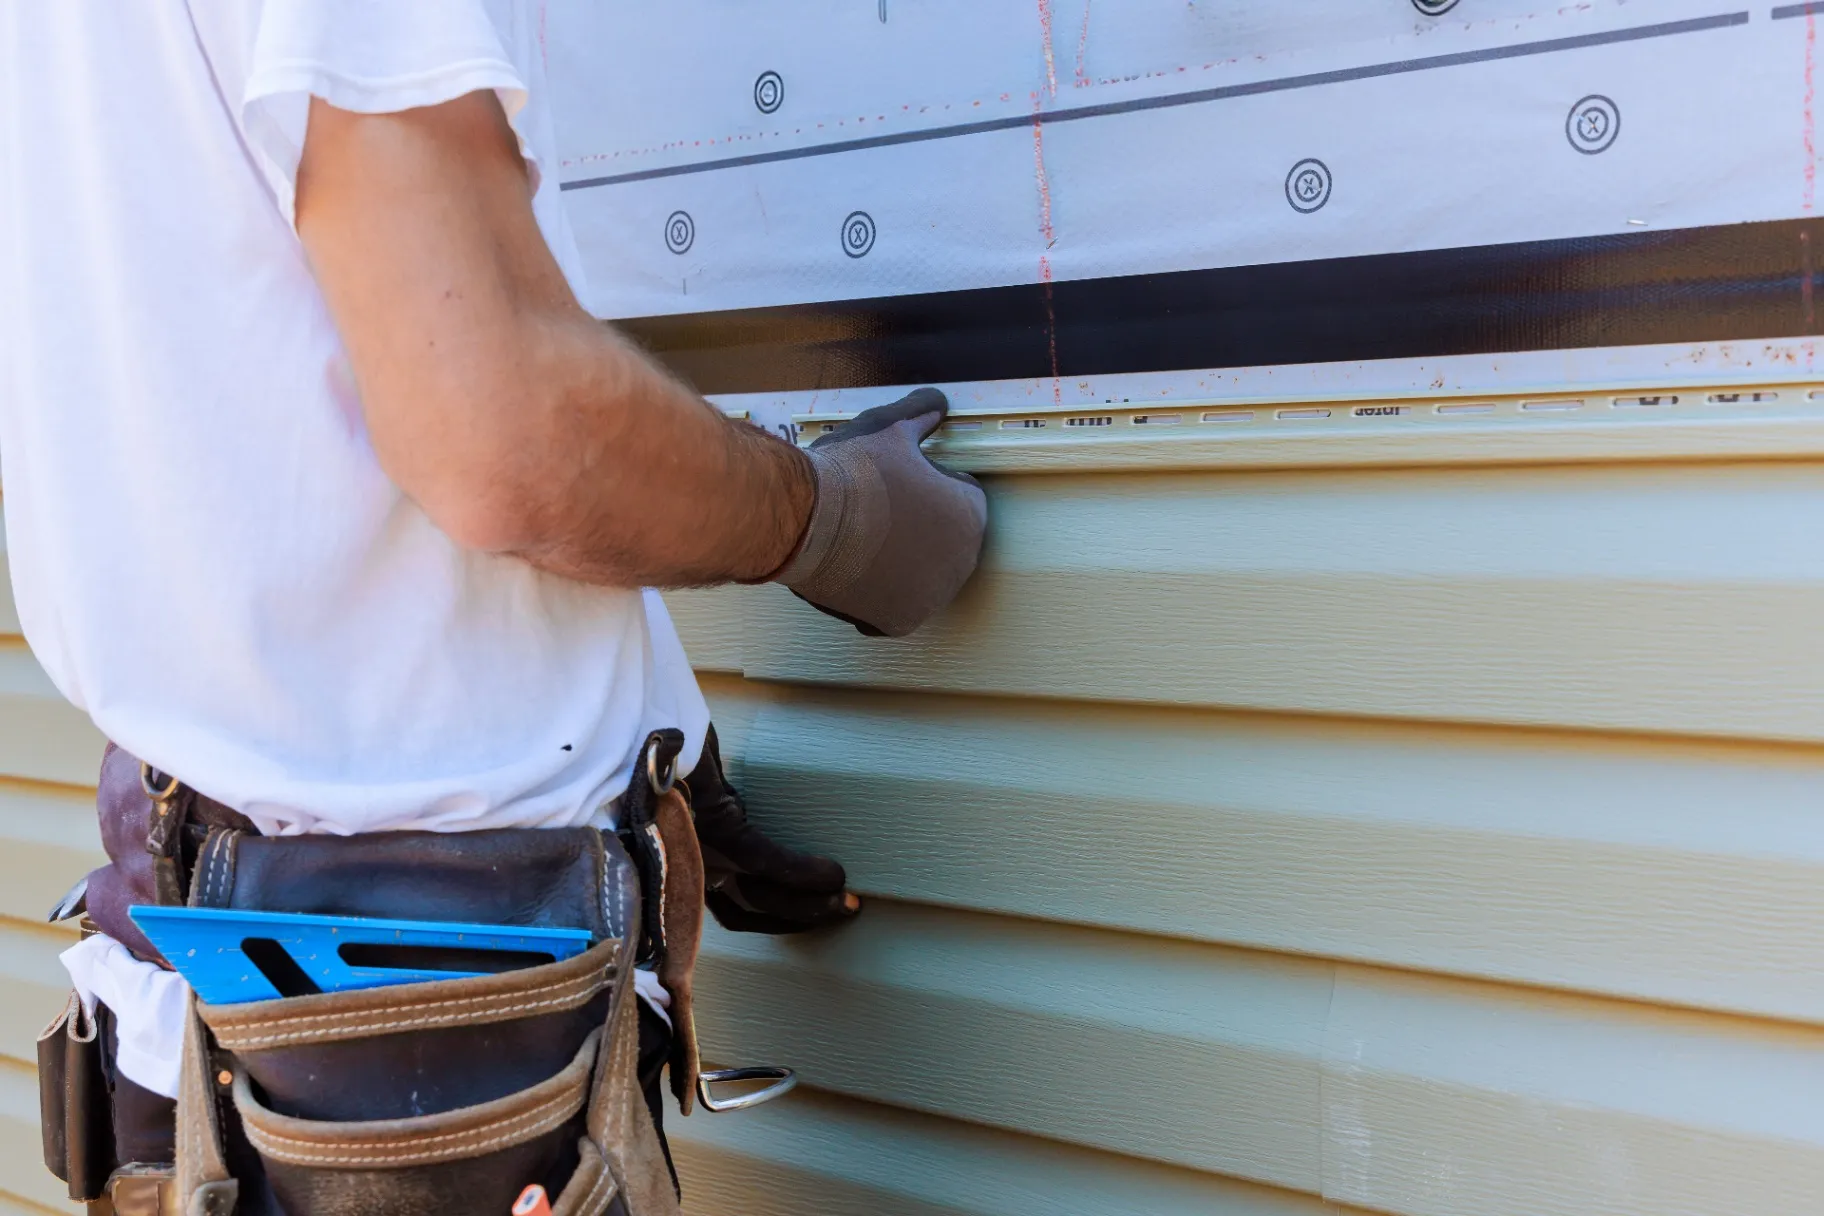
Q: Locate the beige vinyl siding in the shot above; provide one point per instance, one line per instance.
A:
(49, 754)
(1443, 840)
(1435, 840)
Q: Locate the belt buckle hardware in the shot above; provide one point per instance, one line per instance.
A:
(784, 1081)
(661, 782)
(159, 786)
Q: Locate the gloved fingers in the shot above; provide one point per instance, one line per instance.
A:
(862, 627)
(924, 408)
(805, 872)
(893, 536)
(748, 905)
(736, 919)
(742, 847)
(808, 908)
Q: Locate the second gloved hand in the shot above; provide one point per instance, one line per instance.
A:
(754, 884)
(893, 536)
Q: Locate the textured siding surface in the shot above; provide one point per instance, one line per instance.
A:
(1439, 839)
(1434, 840)
(48, 757)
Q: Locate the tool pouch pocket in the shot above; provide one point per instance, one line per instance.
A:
(446, 1097)
(73, 1104)
(470, 1158)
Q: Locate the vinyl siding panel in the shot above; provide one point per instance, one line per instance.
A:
(817, 1154)
(9, 612)
(1356, 1083)
(1678, 599)
(1683, 872)
(1189, 1055)
(27, 1185)
(42, 737)
(1433, 840)
(36, 984)
(49, 753)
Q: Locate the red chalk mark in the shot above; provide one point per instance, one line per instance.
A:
(1051, 67)
(1051, 331)
(1811, 121)
(1806, 291)
(1043, 179)
(1083, 48)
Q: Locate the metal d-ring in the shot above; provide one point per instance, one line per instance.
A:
(155, 791)
(784, 1081)
(661, 782)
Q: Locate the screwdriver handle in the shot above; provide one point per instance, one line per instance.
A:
(532, 1202)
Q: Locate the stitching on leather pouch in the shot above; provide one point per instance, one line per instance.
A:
(247, 1041)
(491, 1000)
(542, 1119)
(614, 928)
(213, 879)
(571, 1096)
(594, 1198)
(211, 876)
(204, 882)
(221, 870)
(231, 849)
(598, 976)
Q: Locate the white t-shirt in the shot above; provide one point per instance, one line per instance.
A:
(207, 556)
(205, 553)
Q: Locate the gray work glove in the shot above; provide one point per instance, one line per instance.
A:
(894, 535)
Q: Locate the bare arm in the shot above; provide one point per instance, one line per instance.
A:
(518, 422)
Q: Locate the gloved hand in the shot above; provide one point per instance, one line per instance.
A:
(894, 535)
(755, 885)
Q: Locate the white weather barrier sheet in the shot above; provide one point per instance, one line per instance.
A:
(719, 155)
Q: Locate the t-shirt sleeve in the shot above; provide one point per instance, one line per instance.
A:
(370, 57)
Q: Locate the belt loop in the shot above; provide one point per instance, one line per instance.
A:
(655, 773)
(164, 840)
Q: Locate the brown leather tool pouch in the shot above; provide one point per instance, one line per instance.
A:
(73, 1103)
(446, 1097)
(528, 1076)
(443, 1097)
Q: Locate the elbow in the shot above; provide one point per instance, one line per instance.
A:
(476, 479)
(486, 516)
(489, 444)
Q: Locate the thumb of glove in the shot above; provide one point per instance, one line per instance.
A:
(893, 535)
(919, 413)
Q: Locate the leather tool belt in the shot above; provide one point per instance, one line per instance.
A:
(443, 1097)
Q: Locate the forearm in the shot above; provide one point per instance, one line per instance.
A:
(518, 422)
(634, 480)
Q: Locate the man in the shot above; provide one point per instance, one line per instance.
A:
(330, 504)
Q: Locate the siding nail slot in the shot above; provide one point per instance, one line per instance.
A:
(1158, 419)
(1229, 416)
(1644, 402)
(1303, 414)
(1551, 405)
(1022, 424)
(1480, 407)
(1098, 420)
(962, 426)
(1742, 398)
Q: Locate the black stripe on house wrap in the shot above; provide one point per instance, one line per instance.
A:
(1194, 97)
(1725, 283)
